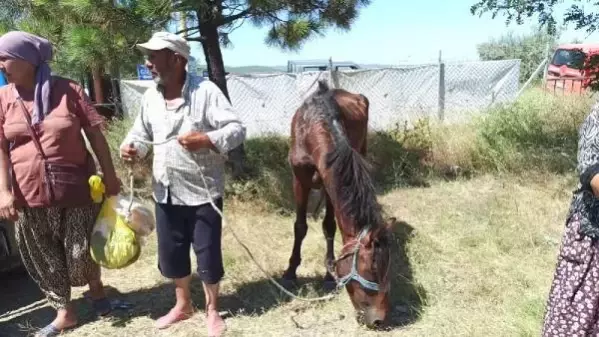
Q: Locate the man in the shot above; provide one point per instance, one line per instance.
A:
(201, 118)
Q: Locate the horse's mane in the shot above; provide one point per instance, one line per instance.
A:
(354, 187)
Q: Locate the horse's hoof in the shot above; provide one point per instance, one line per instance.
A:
(288, 281)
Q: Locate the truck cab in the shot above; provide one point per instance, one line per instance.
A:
(319, 65)
(573, 67)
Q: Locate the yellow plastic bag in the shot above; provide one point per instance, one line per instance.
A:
(114, 244)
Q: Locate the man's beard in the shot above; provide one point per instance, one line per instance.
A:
(158, 80)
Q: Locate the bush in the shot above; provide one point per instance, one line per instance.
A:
(539, 133)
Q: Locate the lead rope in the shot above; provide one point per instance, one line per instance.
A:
(272, 280)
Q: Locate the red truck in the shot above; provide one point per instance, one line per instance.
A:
(570, 70)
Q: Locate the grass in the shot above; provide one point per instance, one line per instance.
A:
(480, 256)
(539, 132)
(482, 207)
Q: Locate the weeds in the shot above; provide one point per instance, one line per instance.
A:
(537, 133)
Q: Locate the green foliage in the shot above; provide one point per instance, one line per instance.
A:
(535, 133)
(519, 10)
(531, 49)
(538, 133)
(291, 23)
(89, 33)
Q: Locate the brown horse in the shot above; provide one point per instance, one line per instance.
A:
(328, 145)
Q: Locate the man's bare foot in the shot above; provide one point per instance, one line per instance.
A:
(216, 324)
(174, 315)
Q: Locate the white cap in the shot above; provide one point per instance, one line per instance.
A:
(166, 40)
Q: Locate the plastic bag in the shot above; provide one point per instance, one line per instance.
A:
(118, 233)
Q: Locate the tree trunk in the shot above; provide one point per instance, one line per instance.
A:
(208, 68)
(98, 85)
(216, 73)
(214, 57)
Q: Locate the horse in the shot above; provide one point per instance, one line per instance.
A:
(328, 149)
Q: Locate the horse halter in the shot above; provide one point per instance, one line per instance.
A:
(353, 274)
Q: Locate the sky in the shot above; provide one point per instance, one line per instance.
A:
(389, 32)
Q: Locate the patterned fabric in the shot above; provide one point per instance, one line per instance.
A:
(573, 304)
(584, 203)
(54, 246)
(175, 170)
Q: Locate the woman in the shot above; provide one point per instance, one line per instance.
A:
(41, 118)
(573, 305)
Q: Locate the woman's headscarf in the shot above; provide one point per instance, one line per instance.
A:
(37, 51)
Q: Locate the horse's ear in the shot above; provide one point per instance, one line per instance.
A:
(391, 223)
(387, 227)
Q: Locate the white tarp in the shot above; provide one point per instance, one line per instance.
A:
(266, 102)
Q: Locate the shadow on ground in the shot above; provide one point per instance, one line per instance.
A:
(252, 298)
(18, 317)
(22, 304)
(23, 311)
(408, 297)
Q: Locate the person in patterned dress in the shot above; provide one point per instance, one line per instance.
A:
(573, 303)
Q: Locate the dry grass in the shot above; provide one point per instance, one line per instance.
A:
(481, 253)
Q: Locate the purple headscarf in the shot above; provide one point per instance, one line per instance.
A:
(37, 51)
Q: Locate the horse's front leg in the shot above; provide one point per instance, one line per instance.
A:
(329, 228)
(301, 191)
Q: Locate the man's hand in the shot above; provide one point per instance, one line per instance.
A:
(7, 206)
(193, 141)
(129, 152)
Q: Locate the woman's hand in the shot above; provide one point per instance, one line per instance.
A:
(112, 184)
(7, 206)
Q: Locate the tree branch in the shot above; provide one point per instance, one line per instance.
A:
(196, 39)
(228, 19)
(186, 30)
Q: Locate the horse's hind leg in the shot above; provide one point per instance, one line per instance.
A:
(301, 190)
(329, 228)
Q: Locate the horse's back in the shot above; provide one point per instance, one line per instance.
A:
(353, 107)
(352, 113)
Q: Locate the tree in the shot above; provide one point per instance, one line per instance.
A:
(291, 23)
(89, 36)
(518, 10)
(531, 49)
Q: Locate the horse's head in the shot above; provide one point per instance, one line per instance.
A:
(363, 268)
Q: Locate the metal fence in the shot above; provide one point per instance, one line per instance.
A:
(449, 92)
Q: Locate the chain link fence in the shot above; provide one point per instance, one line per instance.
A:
(449, 92)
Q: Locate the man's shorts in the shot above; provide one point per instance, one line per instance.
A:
(181, 227)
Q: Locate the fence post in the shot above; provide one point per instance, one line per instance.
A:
(333, 81)
(441, 111)
(534, 74)
(547, 57)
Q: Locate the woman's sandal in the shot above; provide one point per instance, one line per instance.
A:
(50, 331)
